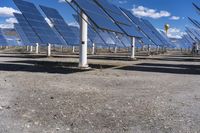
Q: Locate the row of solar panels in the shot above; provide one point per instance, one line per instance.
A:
(191, 37)
(193, 34)
(109, 25)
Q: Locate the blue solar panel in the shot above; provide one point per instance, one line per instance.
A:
(193, 34)
(159, 36)
(114, 12)
(95, 35)
(21, 34)
(96, 15)
(28, 31)
(166, 38)
(194, 22)
(192, 37)
(144, 29)
(120, 19)
(3, 41)
(189, 39)
(61, 26)
(37, 22)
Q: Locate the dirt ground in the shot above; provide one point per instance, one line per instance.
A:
(158, 94)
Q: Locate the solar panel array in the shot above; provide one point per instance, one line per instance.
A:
(3, 41)
(21, 34)
(61, 26)
(120, 19)
(37, 22)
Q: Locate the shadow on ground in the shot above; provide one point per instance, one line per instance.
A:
(164, 68)
(48, 67)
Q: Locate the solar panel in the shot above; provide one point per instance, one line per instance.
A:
(189, 39)
(196, 6)
(28, 31)
(96, 35)
(193, 33)
(166, 38)
(3, 41)
(61, 26)
(158, 35)
(191, 36)
(120, 19)
(97, 16)
(194, 22)
(144, 29)
(21, 34)
(37, 22)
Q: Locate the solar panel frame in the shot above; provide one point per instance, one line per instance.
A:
(37, 22)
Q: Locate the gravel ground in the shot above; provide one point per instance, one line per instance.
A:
(158, 94)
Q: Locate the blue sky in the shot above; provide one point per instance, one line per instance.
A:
(159, 12)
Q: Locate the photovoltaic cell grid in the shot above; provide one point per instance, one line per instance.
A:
(97, 36)
(193, 34)
(3, 41)
(21, 34)
(192, 37)
(120, 19)
(96, 15)
(159, 36)
(37, 22)
(187, 40)
(197, 7)
(61, 26)
(144, 29)
(166, 38)
(194, 22)
(27, 30)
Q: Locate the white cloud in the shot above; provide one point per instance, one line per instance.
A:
(8, 23)
(7, 11)
(142, 11)
(175, 18)
(174, 33)
(11, 20)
